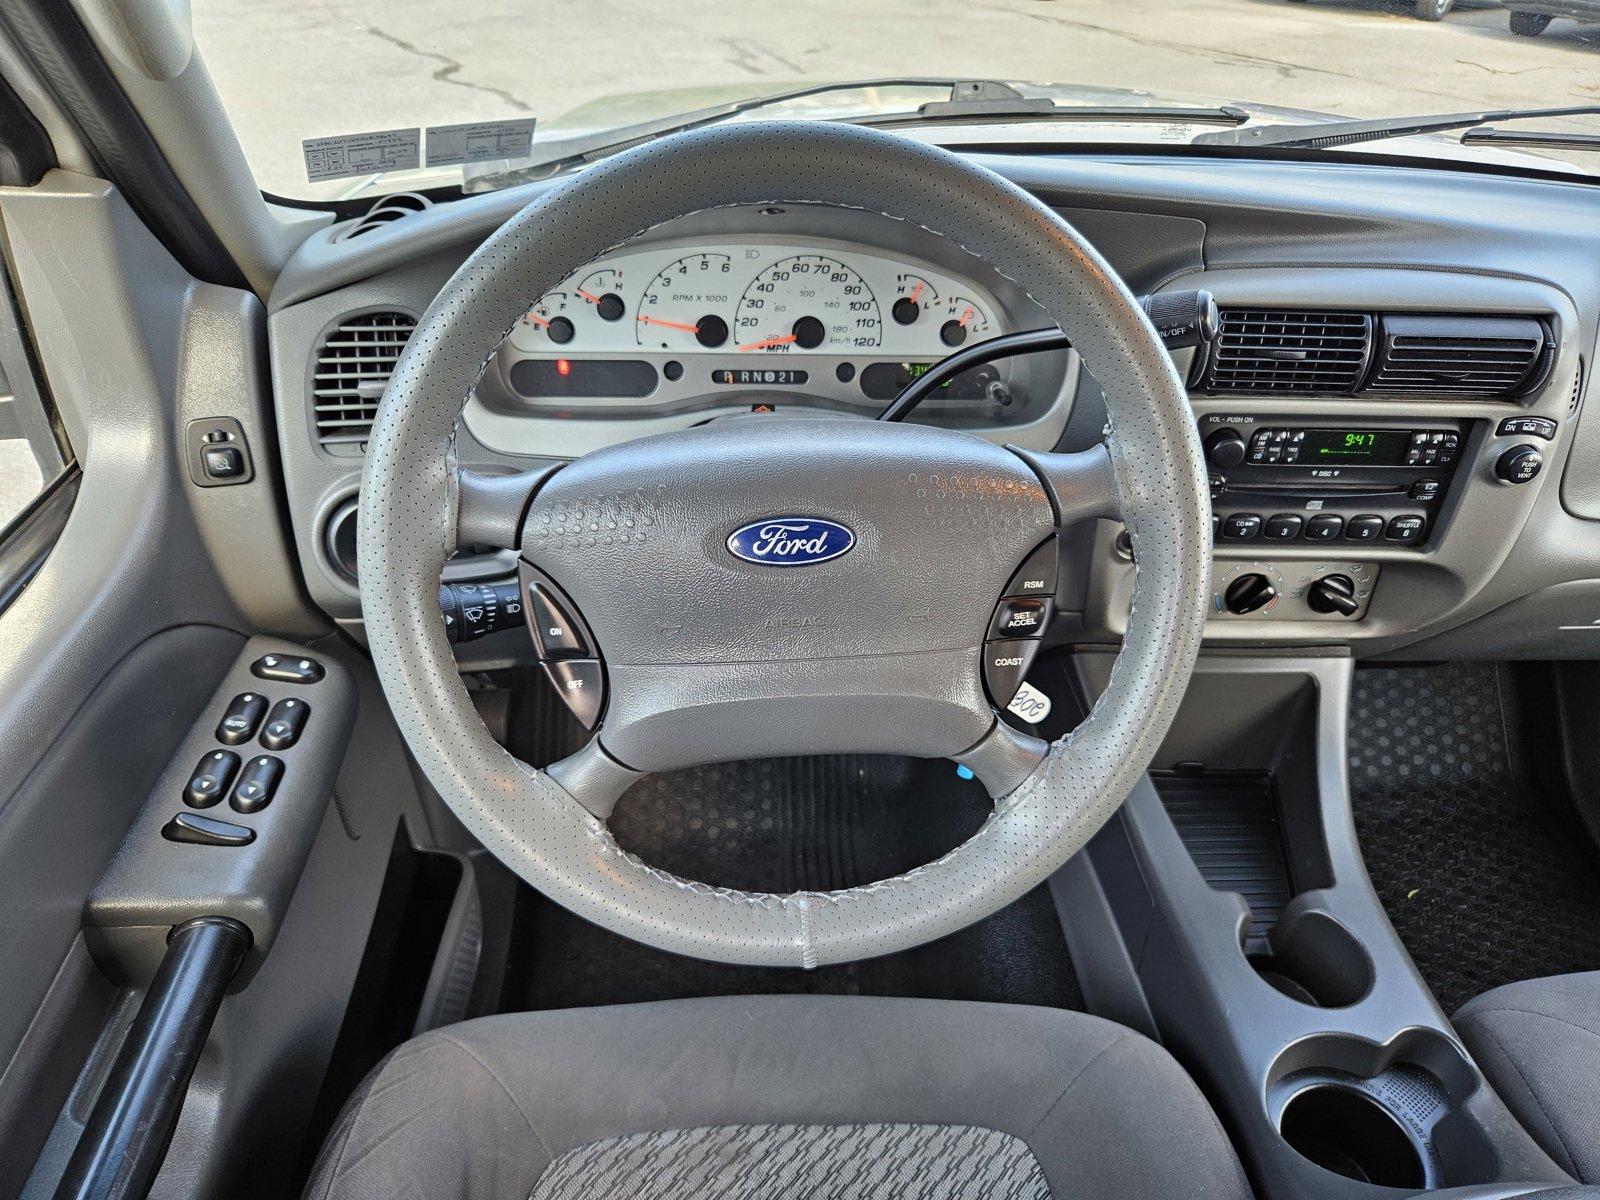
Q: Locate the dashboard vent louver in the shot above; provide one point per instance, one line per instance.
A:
(1577, 389)
(1277, 350)
(352, 368)
(385, 211)
(1479, 357)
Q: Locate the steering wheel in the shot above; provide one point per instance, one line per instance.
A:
(715, 649)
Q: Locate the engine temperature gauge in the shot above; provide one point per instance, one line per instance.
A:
(602, 289)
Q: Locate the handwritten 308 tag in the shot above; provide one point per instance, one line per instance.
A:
(1030, 704)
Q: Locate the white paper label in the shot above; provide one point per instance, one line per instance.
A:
(480, 141)
(1030, 704)
(362, 154)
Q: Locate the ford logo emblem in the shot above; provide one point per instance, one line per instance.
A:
(790, 541)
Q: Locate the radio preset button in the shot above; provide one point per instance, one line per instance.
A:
(1241, 527)
(1407, 528)
(1368, 527)
(1324, 527)
(1284, 527)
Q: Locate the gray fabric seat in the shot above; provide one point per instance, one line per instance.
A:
(1539, 1043)
(761, 1098)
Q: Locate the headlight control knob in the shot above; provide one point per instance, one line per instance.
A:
(1248, 594)
(1334, 594)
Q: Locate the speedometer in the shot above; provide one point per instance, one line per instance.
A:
(808, 302)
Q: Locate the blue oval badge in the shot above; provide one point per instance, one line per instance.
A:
(790, 541)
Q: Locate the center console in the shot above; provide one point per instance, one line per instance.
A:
(1226, 911)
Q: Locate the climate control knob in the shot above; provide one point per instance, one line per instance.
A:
(1248, 594)
(1334, 594)
(1225, 449)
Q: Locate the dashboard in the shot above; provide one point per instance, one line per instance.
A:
(1368, 497)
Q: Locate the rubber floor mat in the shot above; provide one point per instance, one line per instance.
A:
(787, 825)
(1479, 858)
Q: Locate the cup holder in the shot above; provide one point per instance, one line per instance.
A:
(1389, 1114)
(1346, 1131)
(1315, 960)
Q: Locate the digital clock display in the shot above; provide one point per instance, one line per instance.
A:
(1359, 447)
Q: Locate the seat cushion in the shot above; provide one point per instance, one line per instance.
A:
(1539, 1044)
(754, 1098)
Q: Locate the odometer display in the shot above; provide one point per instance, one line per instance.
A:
(807, 302)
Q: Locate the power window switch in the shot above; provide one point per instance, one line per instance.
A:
(209, 781)
(284, 723)
(257, 784)
(206, 831)
(243, 717)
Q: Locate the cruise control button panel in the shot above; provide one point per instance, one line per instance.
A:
(567, 649)
(581, 685)
(1036, 576)
(1020, 618)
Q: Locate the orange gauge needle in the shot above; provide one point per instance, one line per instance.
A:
(966, 316)
(771, 341)
(668, 324)
(542, 322)
(588, 297)
(917, 291)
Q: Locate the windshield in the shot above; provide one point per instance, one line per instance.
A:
(505, 85)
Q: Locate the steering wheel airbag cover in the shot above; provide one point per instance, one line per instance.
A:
(407, 530)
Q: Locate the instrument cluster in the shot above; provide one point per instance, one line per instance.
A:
(704, 327)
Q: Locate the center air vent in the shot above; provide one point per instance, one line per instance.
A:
(352, 369)
(1277, 351)
(1459, 356)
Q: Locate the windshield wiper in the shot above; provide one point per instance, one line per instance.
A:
(968, 98)
(1539, 139)
(1321, 135)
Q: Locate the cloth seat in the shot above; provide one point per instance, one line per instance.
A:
(1539, 1044)
(769, 1097)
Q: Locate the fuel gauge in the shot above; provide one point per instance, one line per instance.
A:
(548, 323)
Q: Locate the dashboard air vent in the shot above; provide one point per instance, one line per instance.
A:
(1479, 357)
(1277, 351)
(385, 211)
(1577, 389)
(352, 368)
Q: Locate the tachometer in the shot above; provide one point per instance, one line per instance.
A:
(682, 306)
(808, 302)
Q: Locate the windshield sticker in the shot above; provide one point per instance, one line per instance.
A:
(362, 154)
(480, 141)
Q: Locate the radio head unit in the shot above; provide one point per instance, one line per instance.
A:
(1300, 479)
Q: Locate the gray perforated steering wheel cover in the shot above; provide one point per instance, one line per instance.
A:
(407, 530)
